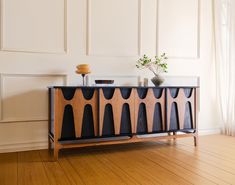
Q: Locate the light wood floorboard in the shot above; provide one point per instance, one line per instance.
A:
(8, 169)
(148, 163)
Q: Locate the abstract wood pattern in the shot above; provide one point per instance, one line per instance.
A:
(117, 102)
(180, 100)
(97, 99)
(150, 101)
(78, 103)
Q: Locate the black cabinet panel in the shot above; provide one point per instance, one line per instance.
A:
(126, 92)
(188, 120)
(174, 119)
(142, 92)
(88, 93)
(68, 130)
(157, 119)
(87, 123)
(68, 93)
(108, 92)
(125, 120)
(108, 125)
(158, 92)
(142, 120)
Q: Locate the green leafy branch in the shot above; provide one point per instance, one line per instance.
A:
(157, 66)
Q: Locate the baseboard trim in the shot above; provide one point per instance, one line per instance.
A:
(211, 131)
(38, 145)
(24, 146)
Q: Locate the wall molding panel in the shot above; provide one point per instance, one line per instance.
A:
(44, 41)
(23, 136)
(41, 34)
(184, 42)
(95, 36)
(148, 19)
(24, 96)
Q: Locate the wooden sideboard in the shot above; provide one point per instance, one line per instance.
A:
(89, 115)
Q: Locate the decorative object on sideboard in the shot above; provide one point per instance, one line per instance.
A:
(107, 82)
(146, 82)
(142, 81)
(157, 65)
(157, 80)
(83, 69)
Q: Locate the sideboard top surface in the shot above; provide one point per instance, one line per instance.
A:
(113, 86)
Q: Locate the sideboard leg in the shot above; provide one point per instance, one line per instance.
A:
(195, 139)
(169, 140)
(49, 146)
(56, 153)
(174, 133)
(49, 143)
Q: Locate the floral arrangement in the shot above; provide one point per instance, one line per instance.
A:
(157, 65)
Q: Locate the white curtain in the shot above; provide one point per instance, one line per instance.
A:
(224, 32)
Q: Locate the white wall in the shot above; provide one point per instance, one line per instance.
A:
(42, 41)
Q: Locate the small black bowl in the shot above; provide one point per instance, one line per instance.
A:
(104, 81)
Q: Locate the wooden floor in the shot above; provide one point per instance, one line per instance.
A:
(212, 162)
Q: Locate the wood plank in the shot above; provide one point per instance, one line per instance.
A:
(70, 171)
(54, 172)
(216, 148)
(203, 169)
(118, 171)
(221, 141)
(93, 171)
(98, 155)
(209, 158)
(8, 169)
(30, 169)
(194, 165)
(175, 168)
(133, 171)
(147, 170)
(64, 166)
(157, 149)
(147, 163)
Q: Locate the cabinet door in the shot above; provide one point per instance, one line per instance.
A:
(150, 110)
(76, 113)
(181, 111)
(116, 111)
